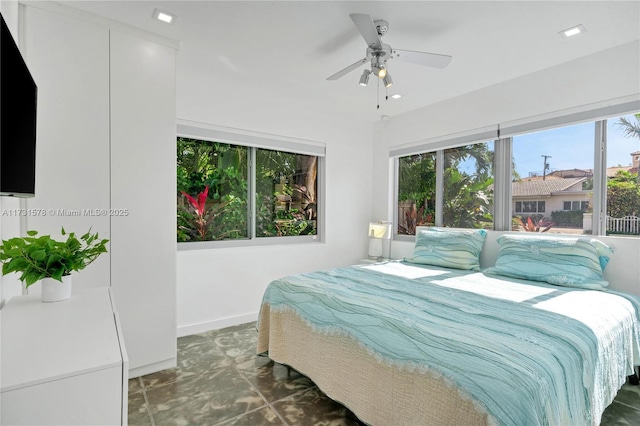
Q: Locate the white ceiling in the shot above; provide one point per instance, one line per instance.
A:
(285, 50)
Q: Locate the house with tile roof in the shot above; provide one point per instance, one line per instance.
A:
(538, 196)
(611, 171)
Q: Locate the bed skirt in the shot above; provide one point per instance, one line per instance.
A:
(378, 393)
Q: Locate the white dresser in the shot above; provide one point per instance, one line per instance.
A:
(63, 363)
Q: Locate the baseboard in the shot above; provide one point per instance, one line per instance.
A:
(201, 327)
(152, 368)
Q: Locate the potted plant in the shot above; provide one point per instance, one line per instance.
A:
(41, 258)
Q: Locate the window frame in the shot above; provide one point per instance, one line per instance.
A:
(254, 141)
(439, 189)
(537, 203)
(503, 148)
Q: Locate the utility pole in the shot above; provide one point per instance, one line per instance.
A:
(546, 166)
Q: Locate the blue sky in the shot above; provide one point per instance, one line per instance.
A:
(571, 147)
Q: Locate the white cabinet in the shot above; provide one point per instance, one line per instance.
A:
(107, 141)
(63, 363)
(143, 181)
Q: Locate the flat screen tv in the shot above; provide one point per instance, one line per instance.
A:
(18, 105)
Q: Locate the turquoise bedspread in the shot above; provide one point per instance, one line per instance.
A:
(526, 353)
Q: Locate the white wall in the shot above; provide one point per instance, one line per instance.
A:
(222, 287)
(599, 79)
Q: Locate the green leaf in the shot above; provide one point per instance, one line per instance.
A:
(39, 255)
(53, 259)
(31, 277)
(32, 233)
(57, 274)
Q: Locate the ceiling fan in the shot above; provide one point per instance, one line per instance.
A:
(378, 52)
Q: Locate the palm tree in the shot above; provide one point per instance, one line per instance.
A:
(630, 128)
(479, 152)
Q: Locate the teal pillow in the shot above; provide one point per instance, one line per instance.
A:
(572, 262)
(450, 248)
(603, 250)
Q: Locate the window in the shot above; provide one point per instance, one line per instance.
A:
(564, 166)
(575, 205)
(416, 192)
(286, 194)
(554, 164)
(466, 182)
(623, 182)
(234, 192)
(211, 191)
(529, 206)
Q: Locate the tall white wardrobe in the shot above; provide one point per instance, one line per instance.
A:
(106, 141)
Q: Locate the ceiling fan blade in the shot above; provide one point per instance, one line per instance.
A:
(422, 58)
(367, 28)
(347, 69)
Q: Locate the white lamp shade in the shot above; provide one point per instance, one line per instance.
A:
(377, 230)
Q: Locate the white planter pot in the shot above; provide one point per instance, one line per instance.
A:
(54, 290)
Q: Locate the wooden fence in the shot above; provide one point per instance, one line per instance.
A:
(623, 225)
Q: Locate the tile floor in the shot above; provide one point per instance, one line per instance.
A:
(220, 381)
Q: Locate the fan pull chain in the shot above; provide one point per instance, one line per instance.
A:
(378, 93)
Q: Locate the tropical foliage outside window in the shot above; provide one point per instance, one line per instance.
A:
(286, 194)
(416, 192)
(468, 183)
(213, 187)
(467, 189)
(623, 176)
(212, 191)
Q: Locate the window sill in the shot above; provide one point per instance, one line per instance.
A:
(256, 242)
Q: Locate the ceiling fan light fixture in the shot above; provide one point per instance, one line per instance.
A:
(388, 82)
(379, 70)
(364, 78)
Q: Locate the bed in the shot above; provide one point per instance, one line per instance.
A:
(406, 343)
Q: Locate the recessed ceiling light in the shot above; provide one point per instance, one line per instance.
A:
(573, 31)
(164, 16)
(396, 96)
